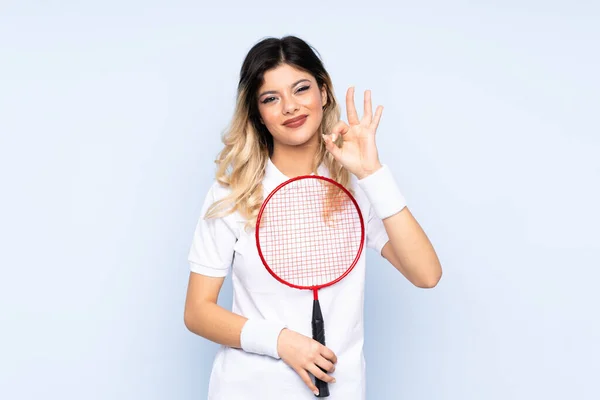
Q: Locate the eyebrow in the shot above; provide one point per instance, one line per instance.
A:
(292, 85)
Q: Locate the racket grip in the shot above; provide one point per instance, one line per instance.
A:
(318, 331)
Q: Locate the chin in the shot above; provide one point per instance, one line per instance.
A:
(301, 138)
(297, 137)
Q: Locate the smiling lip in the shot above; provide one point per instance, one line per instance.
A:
(296, 122)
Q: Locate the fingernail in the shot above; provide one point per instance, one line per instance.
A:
(316, 392)
(333, 380)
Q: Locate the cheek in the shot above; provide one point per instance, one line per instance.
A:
(316, 106)
(268, 115)
(314, 102)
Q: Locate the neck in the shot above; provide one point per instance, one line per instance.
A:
(294, 161)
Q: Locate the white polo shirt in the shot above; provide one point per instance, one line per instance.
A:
(221, 246)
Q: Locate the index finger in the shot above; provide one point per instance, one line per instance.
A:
(350, 108)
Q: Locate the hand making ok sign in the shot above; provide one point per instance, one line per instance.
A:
(358, 152)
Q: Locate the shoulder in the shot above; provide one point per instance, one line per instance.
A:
(218, 192)
(214, 236)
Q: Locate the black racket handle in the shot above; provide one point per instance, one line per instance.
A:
(318, 331)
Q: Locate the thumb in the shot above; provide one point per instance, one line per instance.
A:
(331, 147)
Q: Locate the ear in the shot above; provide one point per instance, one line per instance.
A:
(324, 95)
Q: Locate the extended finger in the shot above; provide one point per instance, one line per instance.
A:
(368, 107)
(377, 117)
(350, 108)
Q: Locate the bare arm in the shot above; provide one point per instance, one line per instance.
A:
(410, 251)
(204, 317)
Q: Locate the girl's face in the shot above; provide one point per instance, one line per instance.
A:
(291, 105)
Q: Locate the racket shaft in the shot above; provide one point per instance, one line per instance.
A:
(318, 331)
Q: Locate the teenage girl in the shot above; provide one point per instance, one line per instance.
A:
(287, 123)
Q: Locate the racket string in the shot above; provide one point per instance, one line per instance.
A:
(311, 233)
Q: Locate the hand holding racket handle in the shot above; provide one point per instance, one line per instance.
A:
(318, 331)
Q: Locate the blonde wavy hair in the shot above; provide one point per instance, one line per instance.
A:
(242, 162)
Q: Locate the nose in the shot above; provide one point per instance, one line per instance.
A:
(289, 105)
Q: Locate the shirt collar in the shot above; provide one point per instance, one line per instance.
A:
(274, 177)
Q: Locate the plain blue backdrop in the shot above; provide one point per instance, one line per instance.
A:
(110, 118)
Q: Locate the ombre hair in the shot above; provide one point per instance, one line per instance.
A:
(242, 162)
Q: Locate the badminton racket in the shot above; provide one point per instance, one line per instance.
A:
(310, 234)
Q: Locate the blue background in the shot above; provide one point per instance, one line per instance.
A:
(110, 119)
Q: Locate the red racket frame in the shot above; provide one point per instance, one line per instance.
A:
(362, 236)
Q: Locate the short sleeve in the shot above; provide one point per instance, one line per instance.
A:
(377, 236)
(211, 252)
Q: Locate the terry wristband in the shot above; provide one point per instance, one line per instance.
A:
(260, 337)
(383, 192)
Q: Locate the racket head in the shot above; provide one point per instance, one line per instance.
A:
(309, 232)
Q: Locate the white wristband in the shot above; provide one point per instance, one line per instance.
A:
(383, 192)
(260, 336)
